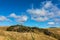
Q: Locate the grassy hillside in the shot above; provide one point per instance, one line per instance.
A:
(5, 35)
(55, 30)
(3, 28)
(20, 32)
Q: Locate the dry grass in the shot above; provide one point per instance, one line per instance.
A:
(3, 28)
(55, 30)
(10, 35)
(5, 35)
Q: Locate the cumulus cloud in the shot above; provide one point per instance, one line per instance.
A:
(13, 15)
(3, 18)
(46, 12)
(51, 23)
(38, 19)
(57, 20)
(22, 18)
(19, 18)
(37, 11)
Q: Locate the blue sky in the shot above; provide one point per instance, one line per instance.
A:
(40, 13)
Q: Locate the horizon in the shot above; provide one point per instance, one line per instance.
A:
(39, 13)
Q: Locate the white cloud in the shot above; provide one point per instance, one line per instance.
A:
(13, 15)
(22, 19)
(3, 18)
(37, 11)
(57, 20)
(48, 11)
(48, 4)
(19, 18)
(40, 19)
(51, 23)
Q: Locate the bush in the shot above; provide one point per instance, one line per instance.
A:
(19, 28)
(46, 32)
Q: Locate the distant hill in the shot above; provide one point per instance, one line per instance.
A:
(20, 32)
